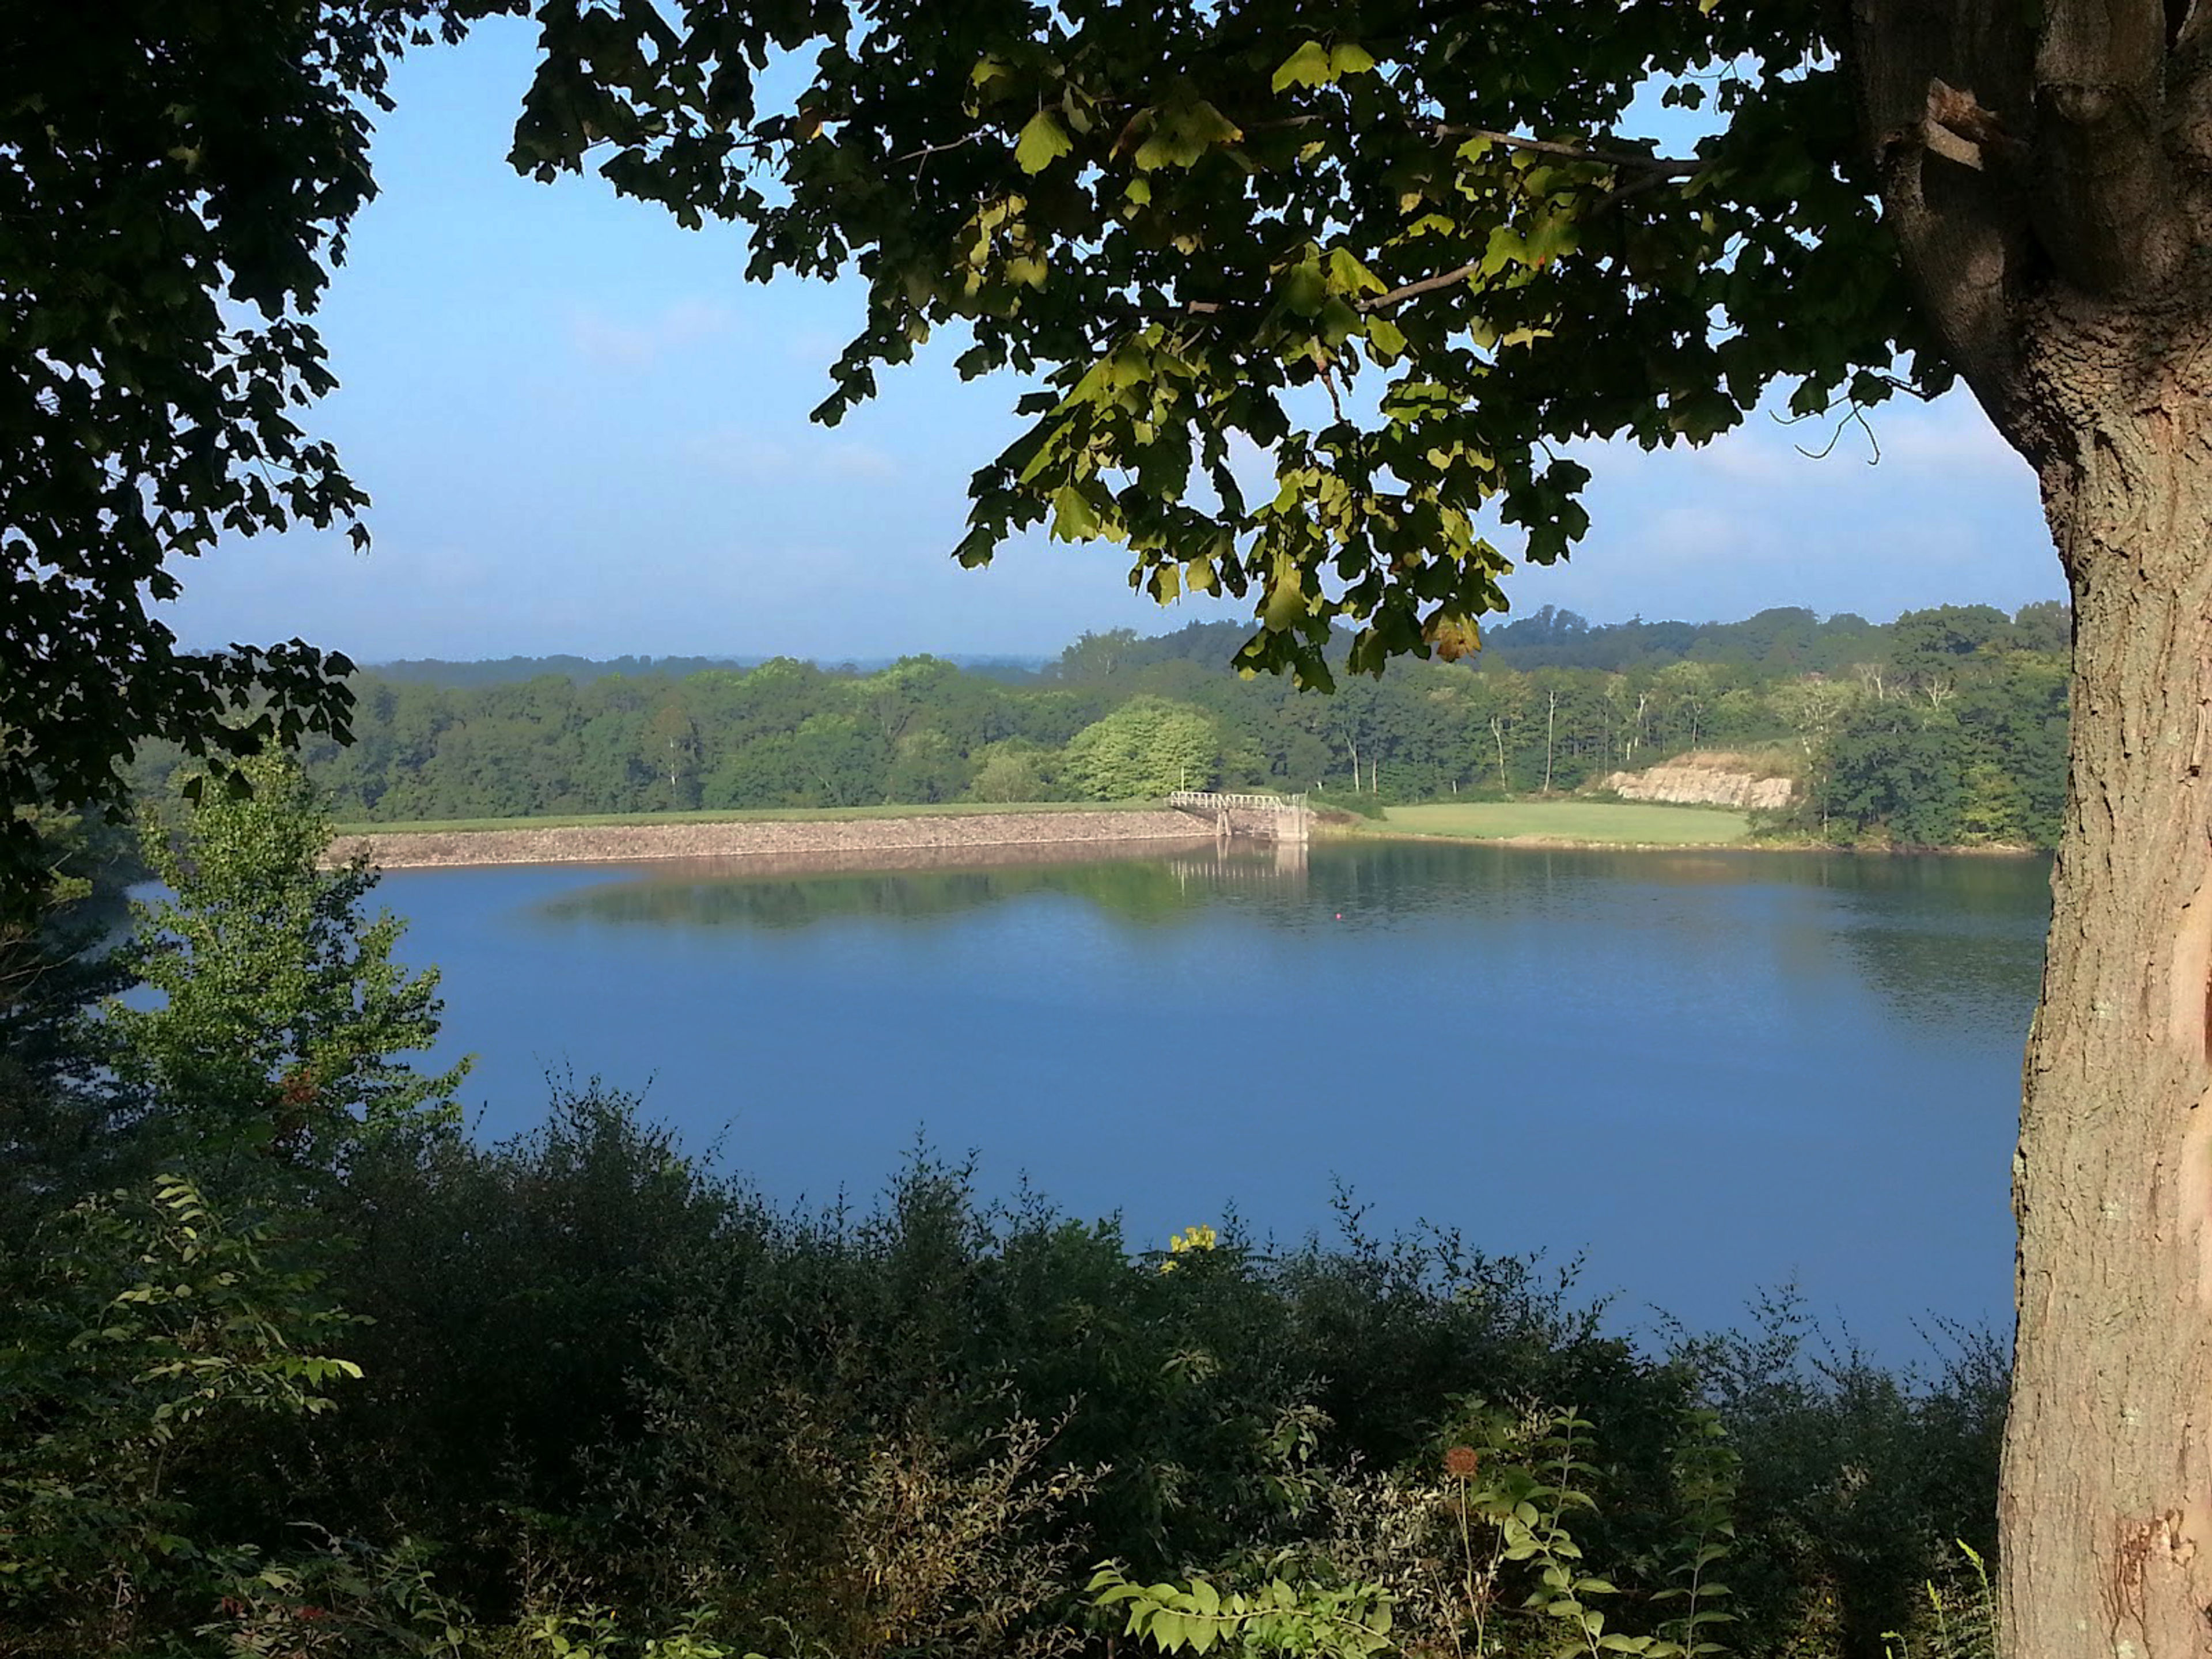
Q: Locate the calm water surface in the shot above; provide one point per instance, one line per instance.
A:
(1709, 1072)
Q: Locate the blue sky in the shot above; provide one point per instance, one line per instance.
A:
(583, 432)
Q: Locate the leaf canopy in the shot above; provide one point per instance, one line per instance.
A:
(1404, 251)
(175, 184)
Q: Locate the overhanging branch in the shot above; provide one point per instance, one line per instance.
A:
(2103, 201)
(1945, 94)
(1664, 166)
(1414, 290)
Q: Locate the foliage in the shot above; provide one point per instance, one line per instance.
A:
(1577, 703)
(1374, 242)
(597, 1633)
(145, 1329)
(1148, 747)
(1450, 1549)
(60, 1113)
(1277, 1617)
(1960, 1618)
(612, 1385)
(177, 185)
(283, 1015)
(1857, 1478)
(1477, 1543)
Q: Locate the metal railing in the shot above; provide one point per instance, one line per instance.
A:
(1208, 799)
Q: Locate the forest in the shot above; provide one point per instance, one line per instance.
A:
(1946, 727)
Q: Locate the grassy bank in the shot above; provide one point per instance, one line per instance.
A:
(1609, 823)
(760, 815)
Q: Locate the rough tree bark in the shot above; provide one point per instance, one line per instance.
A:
(2051, 184)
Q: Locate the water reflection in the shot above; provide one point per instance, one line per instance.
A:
(1940, 939)
(1132, 881)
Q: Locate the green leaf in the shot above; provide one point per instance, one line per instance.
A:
(1042, 142)
(1183, 132)
(1309, 66)
(1305, 288)
(1348, 58)
(1072, 517)
(1286, 604)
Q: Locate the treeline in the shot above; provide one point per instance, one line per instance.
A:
(289, 1365)
(1947, 726)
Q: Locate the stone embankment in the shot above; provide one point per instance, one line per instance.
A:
(1704, 780)
(849, 843)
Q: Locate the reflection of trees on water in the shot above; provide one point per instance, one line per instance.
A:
(1151, 891)
(1950, 940)
(1944, 941)
(1947, 941)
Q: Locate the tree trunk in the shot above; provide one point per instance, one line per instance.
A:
(2042, 169)
(1551, 720)
(2108, 1486)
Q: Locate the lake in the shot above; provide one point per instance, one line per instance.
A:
(1708, 1073)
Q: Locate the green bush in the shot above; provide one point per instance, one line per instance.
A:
(624, 1395)
(1359, 805)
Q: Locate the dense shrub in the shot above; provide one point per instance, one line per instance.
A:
(603, 1390)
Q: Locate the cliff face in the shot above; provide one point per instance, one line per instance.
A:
(1703, 781)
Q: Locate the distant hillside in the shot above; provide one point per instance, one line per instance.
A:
(1947, 726)
(581, 670)
(509, 671)
(1786, 640)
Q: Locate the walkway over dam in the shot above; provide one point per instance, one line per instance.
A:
(1263, 818)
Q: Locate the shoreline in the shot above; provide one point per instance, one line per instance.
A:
(1746, 844)
(926, 838)
(835, 842)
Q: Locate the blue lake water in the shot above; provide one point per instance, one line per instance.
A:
(1707, 1073)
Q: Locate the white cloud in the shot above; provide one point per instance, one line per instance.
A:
(745, 453)
(634, 344)
(1952, 437)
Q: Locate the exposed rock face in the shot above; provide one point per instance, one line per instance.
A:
(1687, 783)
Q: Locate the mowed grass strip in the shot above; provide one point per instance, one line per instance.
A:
(759, 815)
(1599, 822)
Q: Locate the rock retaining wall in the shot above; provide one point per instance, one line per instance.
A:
(846, 842)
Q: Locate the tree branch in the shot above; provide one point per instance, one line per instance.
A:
(1944, 90)
(928, 150)
(2103, 200)
(1414, 290)
(1665, 166)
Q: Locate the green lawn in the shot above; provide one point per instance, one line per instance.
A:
(767, 815)
(1621, 822)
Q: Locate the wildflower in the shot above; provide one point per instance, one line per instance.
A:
(1461, 1461)
(1198, 1237)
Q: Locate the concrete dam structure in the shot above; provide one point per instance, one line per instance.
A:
(1280, 818)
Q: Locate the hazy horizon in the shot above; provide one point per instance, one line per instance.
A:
(1049, 653)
